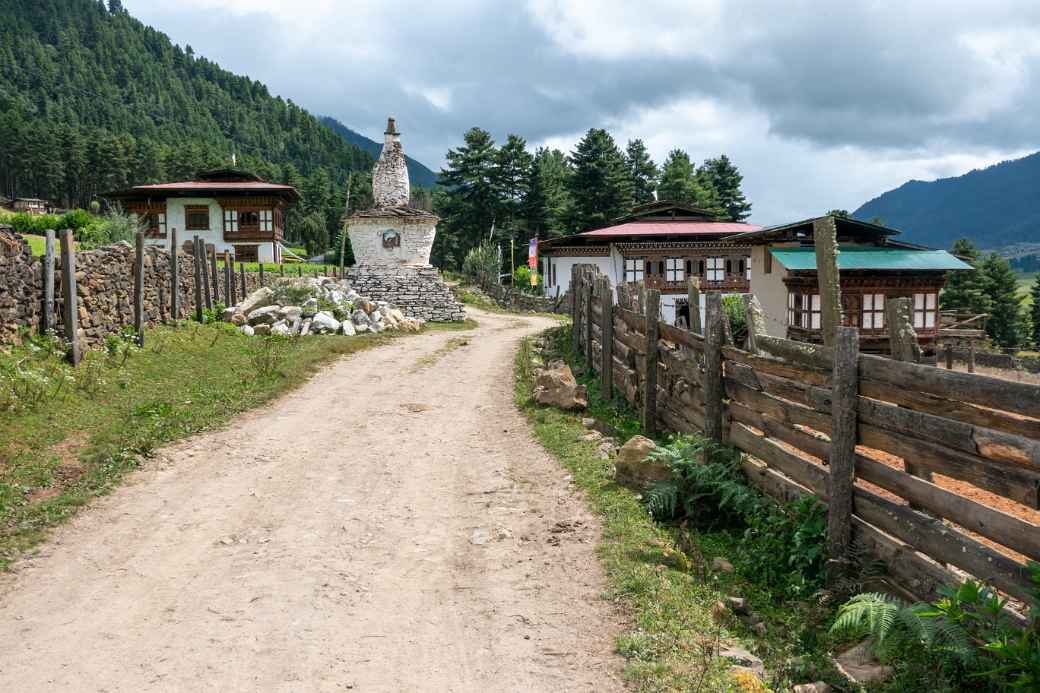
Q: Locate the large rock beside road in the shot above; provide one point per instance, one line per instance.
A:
(268, 315)
(324, 323)
(258, 299)
(557, 387)
(635, 468)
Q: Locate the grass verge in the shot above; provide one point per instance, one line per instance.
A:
(661, 573)
(68, 435)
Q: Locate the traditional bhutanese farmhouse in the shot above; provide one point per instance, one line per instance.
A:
(30, 205)
(873, 268)
(661, 244)
(228, 209)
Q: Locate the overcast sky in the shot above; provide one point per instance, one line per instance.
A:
(821, 104)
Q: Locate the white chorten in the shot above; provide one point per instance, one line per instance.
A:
(392, 233)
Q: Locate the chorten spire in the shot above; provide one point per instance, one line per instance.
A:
(390, 186)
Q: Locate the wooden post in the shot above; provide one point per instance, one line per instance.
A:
(756, 321)
(68, 287)
(199, 271)
(971, 355)
(590, 281)
(48, 283)
(713, 391)
(842, 459)
(139, 287)
(162, 301)
(228, 302)
(175, 278)
(652, 313)
(949, 355)
(262, 282)
(216, 276)
(693, 297)
(575, 310)
(902, 338)
(243, 290)
(606, 332)
(825, 235)
(204, 255)
(281, 269)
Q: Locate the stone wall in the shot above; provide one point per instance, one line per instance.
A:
(513, 299)
(418, 291)
(104, 288)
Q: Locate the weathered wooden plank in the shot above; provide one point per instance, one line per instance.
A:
(825, 241)
(755, 319)
(196, 256)
(633, 340)
(175, 277)
(607, 335)
(48, 323)
(589, 319)
(981, 390)
(777, 367)
(653, 308)
(713, 385)
(910, 569)
(215, 277)
(70, 296)
(204, 254)
(789, 413)
(139, 287)
(800, 353)
(683, 337)
(842, 458)
(693, 298)
(633, 320)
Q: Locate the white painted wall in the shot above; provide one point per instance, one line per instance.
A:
(366, 241)
(770, 290)
(563, 271)
(214, 236)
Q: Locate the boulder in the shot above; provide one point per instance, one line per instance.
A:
(348, 328)
(309, 307)
(742, 658)
(859, 665)
(246, 330)
(376, 316)
(633, 466)
(396, 314)
(238, 319)
(721, 565)
(268, 315)
(815, 687)
(360, 329)
(262, 330)
(291, 313)
(258, 299)
(228, 314)
(557, 387)
(360, 317)
(324, 323)
(281, 328)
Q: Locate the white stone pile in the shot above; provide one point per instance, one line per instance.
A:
(300, 307)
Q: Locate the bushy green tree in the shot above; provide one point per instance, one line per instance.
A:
(965, 291)
(548, 204)
(681, 182)
(642, 170)
(1005, 324)
(601, 188)
(1034, 312)
(468, 199)
(724, 178)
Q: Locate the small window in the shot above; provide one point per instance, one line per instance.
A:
(634, 269)
(266, 223)
(803, 310)
(689, 267)
(196, 218)
(162, 223)
(673, 270)
(249, 219)
(924, 311)
(873, 311)
(230, 221)
(700, 268)
(247, 253)
(716, 269)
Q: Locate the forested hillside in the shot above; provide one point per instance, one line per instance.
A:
(418, 174)
(93, 100)
(994, 207)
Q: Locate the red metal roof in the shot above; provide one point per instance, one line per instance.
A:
(215, 185)
(671, 228)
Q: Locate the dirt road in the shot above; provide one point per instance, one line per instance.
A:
(389, 526)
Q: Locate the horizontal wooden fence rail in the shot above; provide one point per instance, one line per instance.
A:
(776, 404)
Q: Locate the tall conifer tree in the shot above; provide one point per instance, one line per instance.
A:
(642, 170)
(600, 185)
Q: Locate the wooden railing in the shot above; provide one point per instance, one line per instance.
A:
(822, 421)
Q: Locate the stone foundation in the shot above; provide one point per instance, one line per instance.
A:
(417, 290)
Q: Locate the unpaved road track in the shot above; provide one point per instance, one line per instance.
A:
(389, 526)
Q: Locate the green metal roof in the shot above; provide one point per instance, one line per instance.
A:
(872, 258)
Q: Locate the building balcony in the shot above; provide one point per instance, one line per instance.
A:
(253, 234)
(729, 285)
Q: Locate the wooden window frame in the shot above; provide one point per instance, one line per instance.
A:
(804, 311)
(230, 221)
(252, 253)
(715, 269)
(637, 271)
(195, 209)
(926, 310)
(872, 317)
(266, 220)
(674, 269)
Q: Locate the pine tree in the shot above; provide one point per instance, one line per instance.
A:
(642, 170)
(1034, 313)
(600, 186)
(683, 184)
(548, 204)
(1005, 323)
(467, 202)
(965, 291)
(512, 179)
(725, 179)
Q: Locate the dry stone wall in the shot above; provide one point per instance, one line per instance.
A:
(513, 299)
(19, 279)
(418, 291)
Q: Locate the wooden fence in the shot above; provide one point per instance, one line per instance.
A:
(831, 422)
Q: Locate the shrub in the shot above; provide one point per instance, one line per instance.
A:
(481, 264)
(522, 279)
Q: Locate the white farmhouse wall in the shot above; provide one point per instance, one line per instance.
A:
(770, 291)
(213, 236)
(563, 271)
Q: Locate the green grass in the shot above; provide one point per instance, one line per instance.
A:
(291, 269)
(37, 244)
(110, 414)
(660, 574)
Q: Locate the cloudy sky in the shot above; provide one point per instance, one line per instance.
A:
(821, 104)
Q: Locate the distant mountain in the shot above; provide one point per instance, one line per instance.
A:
(995, 207)
(418, 174)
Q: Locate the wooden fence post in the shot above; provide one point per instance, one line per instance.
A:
(48, 283)
(756, 321)
(199, 271)
(842, 460)
(949, 355)
(281, 269)
(215, 274)
(971, 355)
(606, 333)
(713, 390)
(299, 271)
(243, 291)
(590, 282)
(228, 302)
(175, 278)
(693, 298)
(139, 287)
(575, 310)
(262, 282)
(652, 312)
(825, 237)
(68, 287)
(204, 254)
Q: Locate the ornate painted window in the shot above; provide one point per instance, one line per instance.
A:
(925, 311)
(803, 310)
(633, 269)
(716, 269)
(230, 221)
(266, 220)
(196, 218)
(674, 269)
(873, 312)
